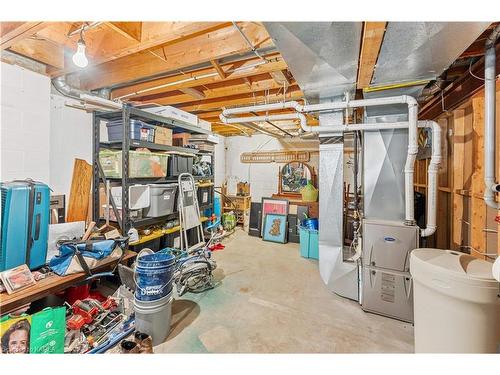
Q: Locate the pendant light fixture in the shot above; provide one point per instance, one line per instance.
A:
(79, 58)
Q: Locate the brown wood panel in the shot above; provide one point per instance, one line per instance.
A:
(478, 207)
(458, 145)
(80, 191)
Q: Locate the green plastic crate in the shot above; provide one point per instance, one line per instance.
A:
(141, 164)
(309, 243)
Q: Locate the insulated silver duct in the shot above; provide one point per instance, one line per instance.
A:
(65, 89)
(62, 86)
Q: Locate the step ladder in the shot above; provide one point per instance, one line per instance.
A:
(189, 213)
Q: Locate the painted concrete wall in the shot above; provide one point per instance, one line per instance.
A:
(70, 138)
(263, 178)
(24, 124)
(41, 136)
(220, 161)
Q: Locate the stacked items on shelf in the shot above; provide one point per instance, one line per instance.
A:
(204, 142)
(156, 162)
(238, 204)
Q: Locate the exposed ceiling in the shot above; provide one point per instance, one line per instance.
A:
(203, 67)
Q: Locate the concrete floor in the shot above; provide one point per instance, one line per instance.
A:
(270, 300)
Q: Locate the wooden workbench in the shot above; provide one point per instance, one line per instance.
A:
(51, 285)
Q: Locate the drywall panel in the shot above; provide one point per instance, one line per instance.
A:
(24, 124)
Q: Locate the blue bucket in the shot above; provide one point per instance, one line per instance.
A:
(154, 274)
(311, 224)
(155, 260)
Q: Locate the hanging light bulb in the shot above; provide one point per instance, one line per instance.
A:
(79, 58)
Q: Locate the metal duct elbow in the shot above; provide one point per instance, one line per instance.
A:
(65, 89)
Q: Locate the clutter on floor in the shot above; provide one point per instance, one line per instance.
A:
(251, 183)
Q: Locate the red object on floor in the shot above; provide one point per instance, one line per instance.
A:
(75, 293)
(216, 247)
(97, 295)
(497, 218)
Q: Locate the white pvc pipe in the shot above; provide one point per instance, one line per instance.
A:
(403, 99)
(432, 173)
(491, 185)
(433, 165)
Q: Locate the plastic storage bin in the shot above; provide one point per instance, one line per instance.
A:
(138, 130)
(141, 163)
(133, 214)
(178, 164)
(456, 303)
(309, 243)
(138, 196)
(162, 199)
(205, 195)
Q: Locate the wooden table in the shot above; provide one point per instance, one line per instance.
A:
(51, 285)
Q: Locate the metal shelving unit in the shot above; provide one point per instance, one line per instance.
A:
(126, 114)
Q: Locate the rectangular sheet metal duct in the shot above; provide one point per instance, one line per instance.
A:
(322, 56)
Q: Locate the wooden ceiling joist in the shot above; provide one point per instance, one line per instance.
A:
(200, 49)
(275, 95)
(181, 78)
(280, 77)
(219, 69)
(373, 35)
(14, 32)
(105, 46)
(131, 30)
(193, 93)
(41, 50)
(167, 98)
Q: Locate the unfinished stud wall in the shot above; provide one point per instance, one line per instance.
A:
(464, 220)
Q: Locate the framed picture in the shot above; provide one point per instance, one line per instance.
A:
(273, 206)
(275, 228)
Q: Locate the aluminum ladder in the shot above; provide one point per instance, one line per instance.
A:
(189, 213)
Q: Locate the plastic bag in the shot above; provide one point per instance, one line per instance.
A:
(48, 328)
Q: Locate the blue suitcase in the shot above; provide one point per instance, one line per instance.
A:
(25, 224)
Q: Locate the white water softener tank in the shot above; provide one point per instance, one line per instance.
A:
(456, 303)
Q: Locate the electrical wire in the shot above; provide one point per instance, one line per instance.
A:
(472, 74)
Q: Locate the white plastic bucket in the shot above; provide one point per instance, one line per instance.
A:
(154, 317)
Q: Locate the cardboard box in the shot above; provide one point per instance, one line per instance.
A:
(175, 113)
(243, 188)
(181, 139)
(163, 136)
(205, 124)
